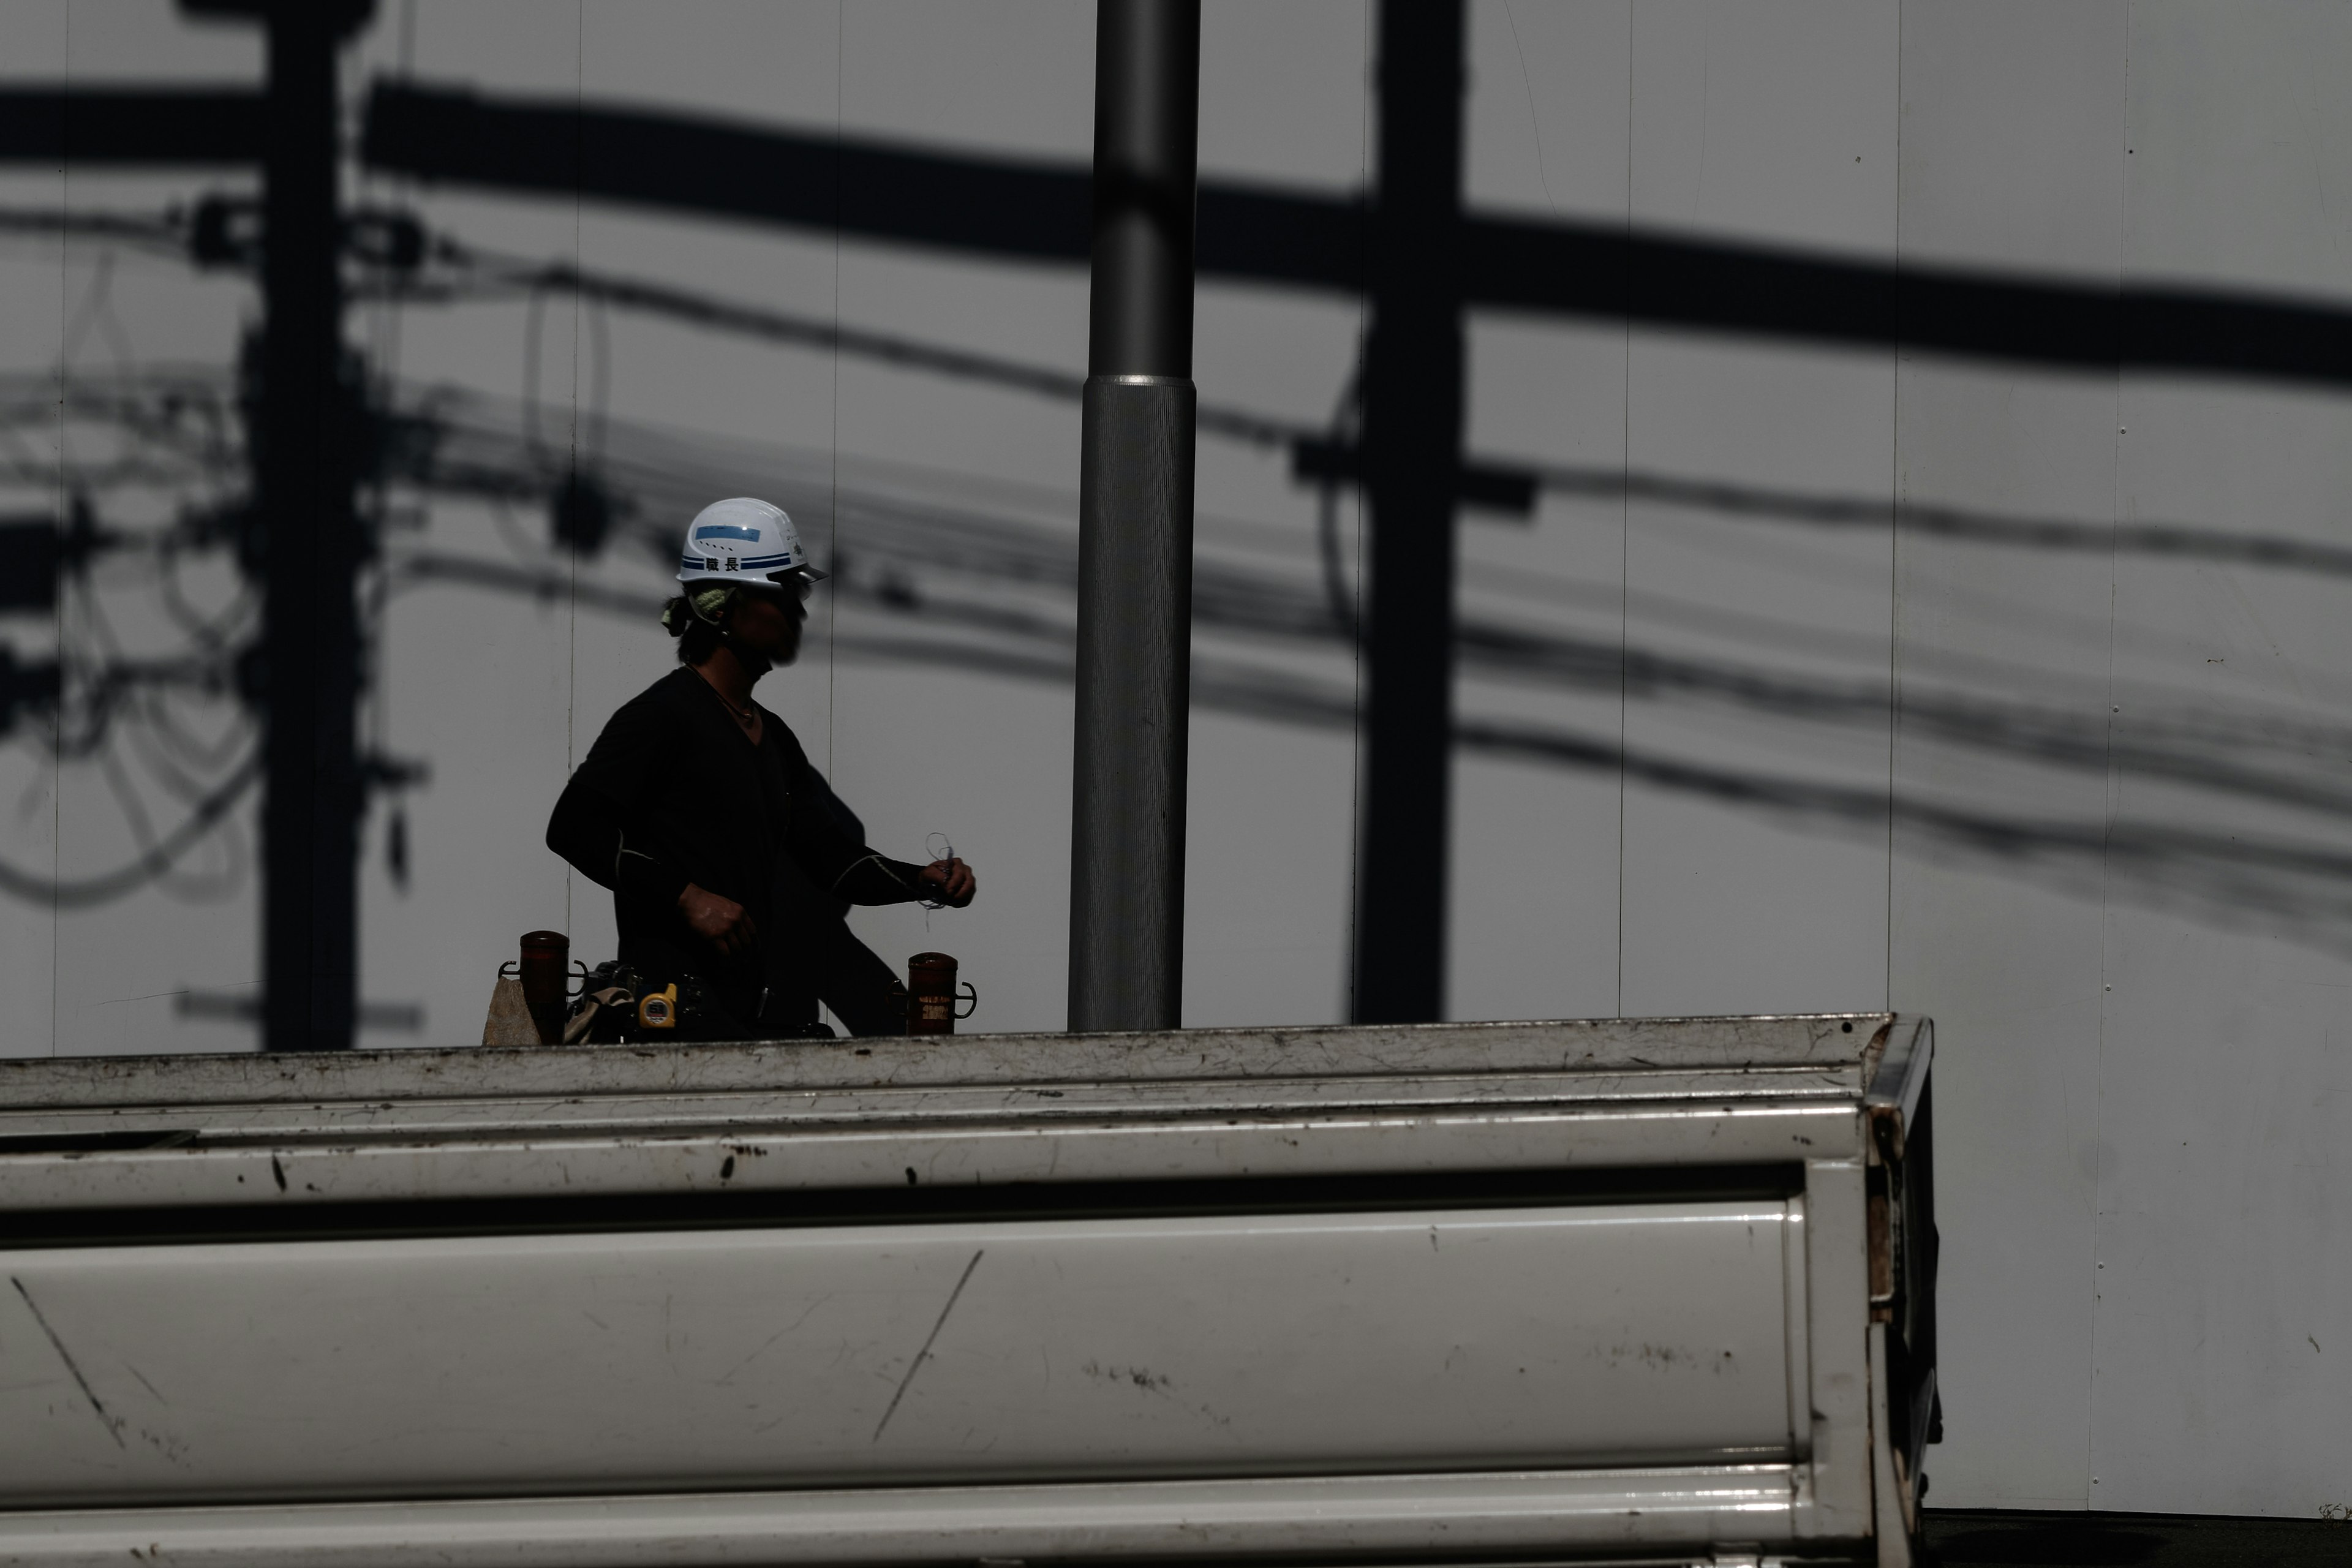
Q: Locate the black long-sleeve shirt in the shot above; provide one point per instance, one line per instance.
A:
(673, 792)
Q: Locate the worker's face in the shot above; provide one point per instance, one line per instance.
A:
(769, 624)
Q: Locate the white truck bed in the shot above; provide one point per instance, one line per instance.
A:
(1655, 1291)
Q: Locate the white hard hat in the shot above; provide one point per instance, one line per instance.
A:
(739, 539)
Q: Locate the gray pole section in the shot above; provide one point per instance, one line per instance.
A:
(1135, 525)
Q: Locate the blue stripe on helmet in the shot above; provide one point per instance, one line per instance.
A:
(727, 531)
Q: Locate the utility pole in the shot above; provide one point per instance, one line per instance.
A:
(1412, 459)
(1135, 525)
(304, 442)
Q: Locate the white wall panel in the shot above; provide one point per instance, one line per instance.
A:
(125, 964)
(2221, 1242)
(1758, 125)
(1535, 906)
(33, 283)
(1774, 124)
(2002, 661)
(2012, 129)
(1270, 838)
(1549, 112)
(474, 679)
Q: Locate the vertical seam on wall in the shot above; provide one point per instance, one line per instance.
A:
(572, 564)
(833, 407)
(1356, 632)
(2108, 811)
(1895, 524)
(57, 617)
(386, 319)
(1624, 510)
(833, 441)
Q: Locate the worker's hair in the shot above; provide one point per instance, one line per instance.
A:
(697, 639)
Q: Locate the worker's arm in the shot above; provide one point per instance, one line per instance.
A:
(588, 828)
(836, 861)
(868, 876)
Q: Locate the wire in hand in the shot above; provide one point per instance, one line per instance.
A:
(942, 854)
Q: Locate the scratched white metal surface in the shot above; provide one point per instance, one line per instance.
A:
(1043, 1108)
(1847, 1408)
(1044, 1350)
(546, 1162)
(1603, 1516)
(1568, 1044)
(1044, 1101)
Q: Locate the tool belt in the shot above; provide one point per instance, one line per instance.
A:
(621, 1006)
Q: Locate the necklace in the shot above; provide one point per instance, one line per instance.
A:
(743, 715)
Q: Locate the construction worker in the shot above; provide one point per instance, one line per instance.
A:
(729, 860)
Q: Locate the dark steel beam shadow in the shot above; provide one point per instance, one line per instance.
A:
(56, 124)
(502, 276)
(1036, 210)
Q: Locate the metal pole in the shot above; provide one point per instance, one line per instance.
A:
(1135, 525)
(1412, 443)
(309, 671)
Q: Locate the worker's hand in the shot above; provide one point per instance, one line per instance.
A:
(720, 921)
(954, 880)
